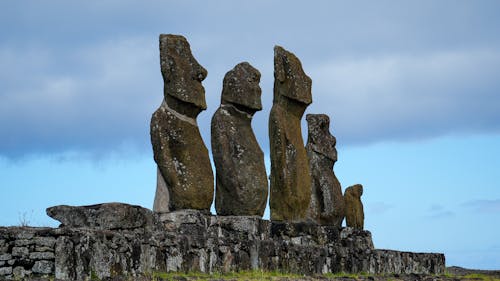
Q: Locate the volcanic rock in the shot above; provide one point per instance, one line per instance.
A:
(327, 202)
(241, 179)
(354, 213)
(184, 166)
(290, 177)
(107, 216)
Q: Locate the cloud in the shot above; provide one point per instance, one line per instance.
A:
(102, 98)
(403, 97)
(93, 87)
(379, 207)
(483, 206)
(437, 211)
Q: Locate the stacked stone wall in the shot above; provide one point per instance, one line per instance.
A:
(195, 241)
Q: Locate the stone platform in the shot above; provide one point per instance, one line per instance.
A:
(85, 246)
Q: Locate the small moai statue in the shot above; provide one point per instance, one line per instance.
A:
(185, 176)
(290, 188)
(241, 179)
(327, 202)
(354, 213)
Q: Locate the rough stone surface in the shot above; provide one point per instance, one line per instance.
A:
(43, 267)
(354, 214)
(290, 180)
(179, 151)
(5, 271)
(101, 216)
(192, 240)
(241, 179)
(20, 272)
(41, 255)
(327, 202)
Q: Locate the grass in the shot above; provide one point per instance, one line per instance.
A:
(484, 277)
(255, 275)
(241, 275)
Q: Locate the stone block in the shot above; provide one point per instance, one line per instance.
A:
(65, 266)
(25, 233)
(5, 271)
(20, 252)
(48, 242)
(20, 272)
(43, 267)
(5, 257)
(106, 216)
(23, 242)
(42, 255)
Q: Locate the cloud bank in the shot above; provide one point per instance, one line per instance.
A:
(86, 77)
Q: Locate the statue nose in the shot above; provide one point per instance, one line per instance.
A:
(200, 73)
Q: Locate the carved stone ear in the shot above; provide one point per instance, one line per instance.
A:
(279, 64)
(167, 63)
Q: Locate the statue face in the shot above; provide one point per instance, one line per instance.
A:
(182, 74)
(319, 135)
(358, 190)
(241, 87)
(295, 84)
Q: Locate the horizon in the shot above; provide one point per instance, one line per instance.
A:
(411, 90)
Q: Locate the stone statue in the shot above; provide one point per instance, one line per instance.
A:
(354, 213)
(290, 176)
(241, 179)
(185, 179)
(327, 202)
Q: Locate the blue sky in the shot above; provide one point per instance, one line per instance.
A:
(412, 89)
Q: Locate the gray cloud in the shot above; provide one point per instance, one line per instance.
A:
(483, 206)
(408, 97)
(437, 211)
(86, 77)
(379, 207)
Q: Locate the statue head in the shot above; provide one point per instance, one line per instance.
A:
(295, 84)
(319, 137)
(241, 87)
(182, 74)
(356, 190)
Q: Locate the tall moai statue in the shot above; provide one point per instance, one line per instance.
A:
(354, 214)
(290, 176)
(185, 177)
(241, 179)
(327, 202)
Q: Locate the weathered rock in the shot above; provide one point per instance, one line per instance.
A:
(241, 179)
(354, 213)
(42, 256)
(21, 252)
(179, 151)
(194, 240)
(43, 267)
(20, 272)
(290, 190)
(104, 216)
(5, 271)
(327, 202)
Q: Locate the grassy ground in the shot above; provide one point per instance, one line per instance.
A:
(278, 276)
(452, 274)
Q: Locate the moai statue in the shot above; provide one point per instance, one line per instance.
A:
(290, 176)
(354, 214)
(327, 202)
(185, 177)
(241, 179)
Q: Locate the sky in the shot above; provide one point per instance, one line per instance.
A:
(411, 87)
